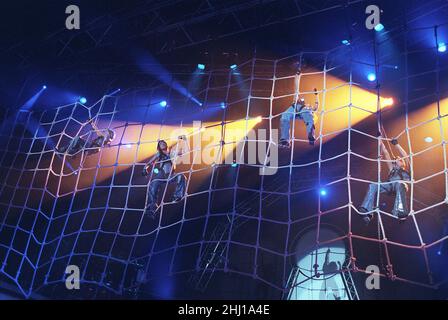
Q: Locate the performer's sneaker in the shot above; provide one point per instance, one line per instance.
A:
(402, 216)
(311, 139)
(283, 143)
(366, 217)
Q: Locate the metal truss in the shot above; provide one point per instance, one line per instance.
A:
(214, 254)
(167, 25)
(349, 283)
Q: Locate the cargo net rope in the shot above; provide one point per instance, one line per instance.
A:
(87, 209)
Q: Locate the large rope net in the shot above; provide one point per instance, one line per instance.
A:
(87, 209)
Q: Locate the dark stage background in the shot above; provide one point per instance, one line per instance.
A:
(236, 234)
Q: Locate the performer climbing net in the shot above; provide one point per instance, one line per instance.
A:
(87, 210)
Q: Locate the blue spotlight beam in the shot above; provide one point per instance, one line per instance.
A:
(32, 101)
(149, 64)
(114, 92)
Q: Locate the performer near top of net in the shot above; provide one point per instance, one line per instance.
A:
(396, 184)
(299, 110)
(104, 138)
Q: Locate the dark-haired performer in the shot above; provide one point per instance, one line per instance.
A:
(104, 137)
(395, 185)
(163, 165)
(302, 111)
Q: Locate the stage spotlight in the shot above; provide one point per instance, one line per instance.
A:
(233, 66)
(114, 92)
(441, 47)
(222, 105)
(83, 100)
(388, 102)
(29, 104)
(201, 66)
(129, 146)
(439, 253)
(156, 170)
(323, 192)
(379, 27)
(390, 66)
(163, 103)
(234, 164)
(346, 42)
(371, 77)
(259, 119)
(428, 139)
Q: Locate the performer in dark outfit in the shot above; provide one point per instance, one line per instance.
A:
(163, 165)
(76, 145)
(104, 138)
(396, 185)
